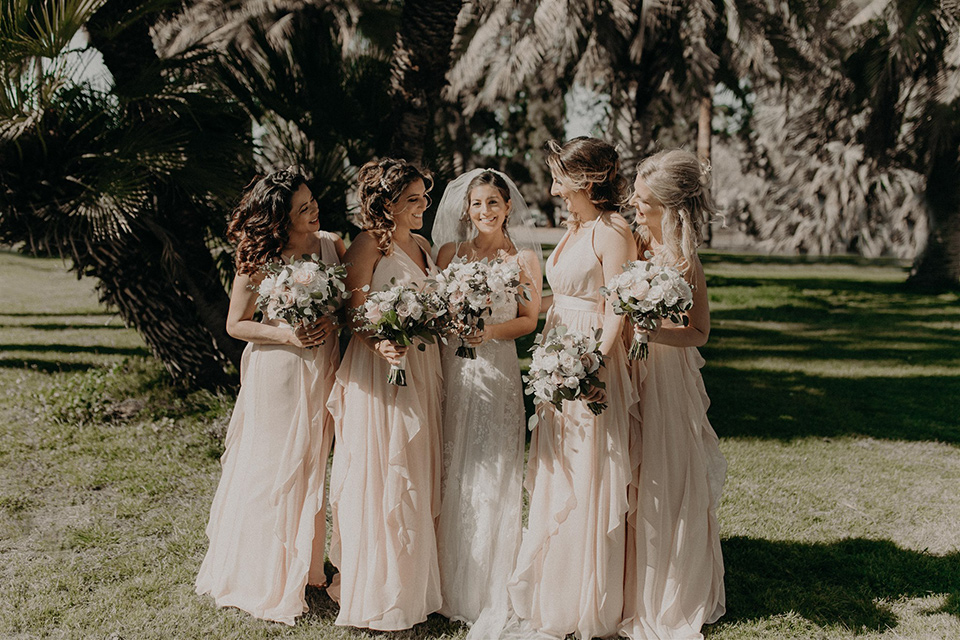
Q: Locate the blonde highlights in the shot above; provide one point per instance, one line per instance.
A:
(380, 183)
(592, 166)
(681, 185)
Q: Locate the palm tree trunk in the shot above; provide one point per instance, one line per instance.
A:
(421, 59)
(938, 265)
(704, 135)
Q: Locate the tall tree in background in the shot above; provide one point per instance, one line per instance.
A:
(131, 181)
(421, 58)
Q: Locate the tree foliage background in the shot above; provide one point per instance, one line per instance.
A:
(128, 129)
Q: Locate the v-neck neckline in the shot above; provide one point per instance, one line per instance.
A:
(426, 257)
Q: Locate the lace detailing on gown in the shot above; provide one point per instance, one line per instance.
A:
(481, 507)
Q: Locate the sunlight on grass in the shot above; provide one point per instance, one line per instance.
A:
(834, 393)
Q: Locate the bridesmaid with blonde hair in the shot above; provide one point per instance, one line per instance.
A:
(267, 525)
(569, 574)
(675, 566)
(385, 481)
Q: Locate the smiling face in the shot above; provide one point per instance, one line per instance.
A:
(576, 200)
(407, 210)
(304, 212)
(649, 209)
(487, 208)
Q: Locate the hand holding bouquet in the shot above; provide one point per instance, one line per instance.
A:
(470, 290)
(647, 293)
(566, 366)
(301, 291)
(401, 313)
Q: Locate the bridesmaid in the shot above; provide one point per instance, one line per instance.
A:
(267, 526)
(482, 216)
(675, 567)
(569, 575)
(385, 482)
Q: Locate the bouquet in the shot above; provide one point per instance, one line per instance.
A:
(565, 366)
(401, 313)
(301, 291)
(646, 293)
(470, 290)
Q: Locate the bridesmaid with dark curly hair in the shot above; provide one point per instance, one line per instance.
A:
(385, 482)
(267, 525)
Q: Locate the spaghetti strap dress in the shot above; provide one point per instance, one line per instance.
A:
(385, 479)
(267, 524)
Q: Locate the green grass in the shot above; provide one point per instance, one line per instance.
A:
(834, 391)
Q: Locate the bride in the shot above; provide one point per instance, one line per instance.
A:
(482, 215)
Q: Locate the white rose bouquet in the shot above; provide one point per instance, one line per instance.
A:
(647, 293)
(301, 291)
(565, 366)
(470, 289)
(401, 313)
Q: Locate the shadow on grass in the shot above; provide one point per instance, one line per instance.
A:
(436, 626)
(76, 348)
(788, 405)
(848, 583)
(48, 366)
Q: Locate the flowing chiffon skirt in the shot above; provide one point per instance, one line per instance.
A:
(675, 566)
(267, 526)
(385, 490)
(570, 570)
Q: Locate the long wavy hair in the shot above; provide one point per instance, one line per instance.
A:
(590, 165)
(260, 224)
(681, 185)
(380, 184)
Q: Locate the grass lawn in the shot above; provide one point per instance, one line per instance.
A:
(835, 393)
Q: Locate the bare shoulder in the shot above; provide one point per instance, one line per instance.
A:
(363, 245)
(423, 242)
(617, 224)
(446, 253)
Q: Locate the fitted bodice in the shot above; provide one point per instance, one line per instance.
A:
(402, 267)
(576, 271)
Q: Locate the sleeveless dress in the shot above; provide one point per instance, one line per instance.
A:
(482, 502)
(675, 569)
(267, 526)
(569, 575)
(385, 480)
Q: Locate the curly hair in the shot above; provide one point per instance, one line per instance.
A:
(260, 224)
(681, 185)
(590, 165)
(488, 178)
(380, 184)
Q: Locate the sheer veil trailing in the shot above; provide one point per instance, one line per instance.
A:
(452, 225)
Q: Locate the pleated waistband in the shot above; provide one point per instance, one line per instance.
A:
(577, 304)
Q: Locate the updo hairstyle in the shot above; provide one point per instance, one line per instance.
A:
(590, 165)
(380, 184)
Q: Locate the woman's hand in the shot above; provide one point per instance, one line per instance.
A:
(596, 395)
(651, 333)
(475, 339)
(315, 334)
(390, 351)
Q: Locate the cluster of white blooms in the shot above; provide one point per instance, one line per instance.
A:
(565, 366)
(301, 290)
(647, 293)
(470, 289)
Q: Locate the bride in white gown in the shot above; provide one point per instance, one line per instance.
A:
(482, 215)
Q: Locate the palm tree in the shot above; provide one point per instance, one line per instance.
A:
(903, 64)
(131, 182)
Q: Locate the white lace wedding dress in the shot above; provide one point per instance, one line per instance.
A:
(481, 503)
